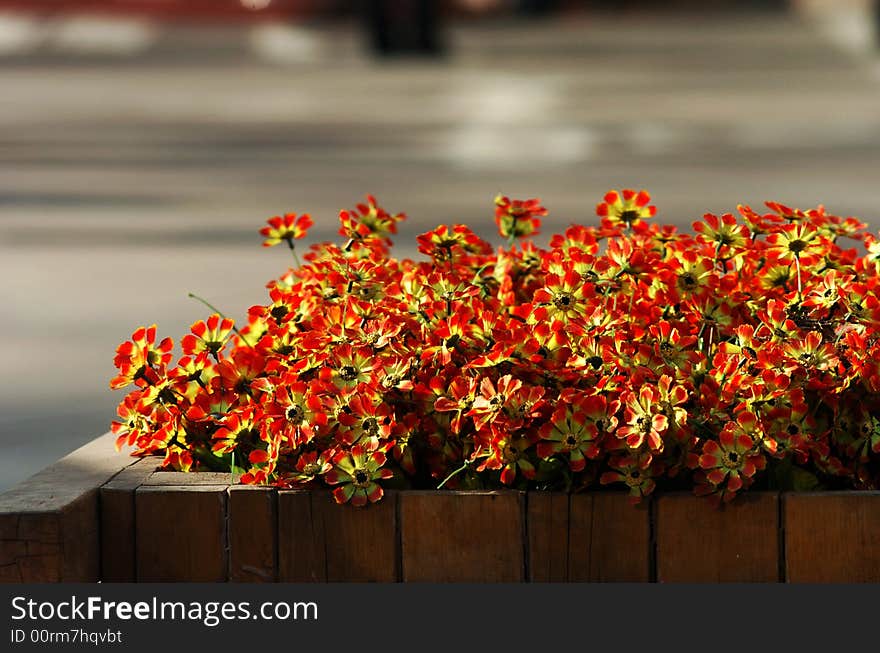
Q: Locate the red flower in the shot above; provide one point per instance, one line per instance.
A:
(518, 218)
(625, 208)
(309, 467)
(571, 431)
(628, 352)
(289, 228)
(356, 472)
(368, 223)
(724, 232)
(509, 454)
(365, 418)
(140, 360)
(644, 419)
(634, 471)
(208, 336)
(732, 461)
(492, 400)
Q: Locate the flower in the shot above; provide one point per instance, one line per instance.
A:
(572, 430)
(140, 360)
(626, 208)
(644, 419)
(797, 240)
(368, 224)
(732, 460)
(518, 218)
(446, 244)
(562, 298)
(356, 472)
(634, 471)
(723, 231)
(209, 336)
(309, 467)
(627, 352)
(288, 228)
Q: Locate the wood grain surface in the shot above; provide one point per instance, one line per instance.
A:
(734, 543)
(463, 536)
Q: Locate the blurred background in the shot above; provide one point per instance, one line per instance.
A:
(144, 142)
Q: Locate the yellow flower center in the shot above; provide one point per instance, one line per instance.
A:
(311, 469)
(562, 300)
(360, 478)
(732, 460)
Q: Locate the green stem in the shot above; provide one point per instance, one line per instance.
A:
(457, 471)
(220, 313)
(293, 251)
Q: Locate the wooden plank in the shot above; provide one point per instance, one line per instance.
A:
(548, 537)
(832, 537)
(31, 548)
(621, 539)
(176, 479)
(181, 533)
(319, 540)
(49, 529)
(253, 523)
(462, 536)
(580, 535)
(737, 542)
(361, 543)
(609, 539)
(116, 504)
(301, 544)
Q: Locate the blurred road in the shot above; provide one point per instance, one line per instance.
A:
(125, 183)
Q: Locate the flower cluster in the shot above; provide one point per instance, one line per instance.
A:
(626, 352)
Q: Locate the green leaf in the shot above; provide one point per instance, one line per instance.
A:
(790, 478)
(803, 481)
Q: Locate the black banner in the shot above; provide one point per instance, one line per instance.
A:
(411, 617)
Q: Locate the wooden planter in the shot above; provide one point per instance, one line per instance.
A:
(99, 515)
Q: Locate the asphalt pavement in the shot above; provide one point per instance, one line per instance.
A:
(128, 180)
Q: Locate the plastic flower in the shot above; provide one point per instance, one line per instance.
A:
(562, 298)
(628, 352)
(570, 431)
(356, 472)
(350, 367)
(811, 353)
(365, 417)
(508, 453)
(240, 432)
(644, 419)
(732, 461)
(796, 241)
(288, 228)
(446, 244)
(208, 336)
(299, 411)
(626, 208)
(132, 423)
(493, 398)
(309, 467)
(724, 232)
(518, 218)
(634, 471)
(368, 223)
(140, 360)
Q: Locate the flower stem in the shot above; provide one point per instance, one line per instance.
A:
(220, 313)
(293, 251)
(457, 471)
